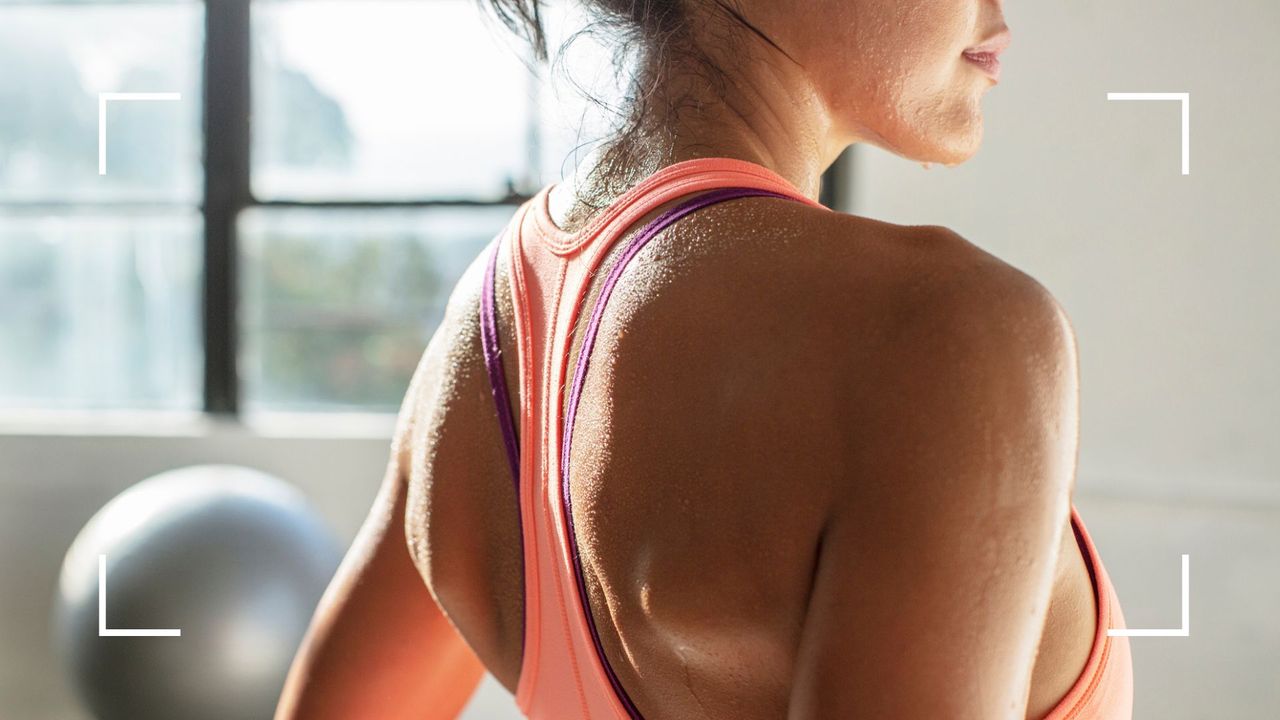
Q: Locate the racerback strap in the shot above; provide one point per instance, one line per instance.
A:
(501, 397)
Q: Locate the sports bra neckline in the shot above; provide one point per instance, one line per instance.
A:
(672, 176)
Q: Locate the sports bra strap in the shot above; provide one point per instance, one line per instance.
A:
(497, 380)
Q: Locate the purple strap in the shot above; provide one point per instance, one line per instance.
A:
(498, 383)
(493, 362)
(498, 387)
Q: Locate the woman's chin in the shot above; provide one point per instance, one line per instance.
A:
(952, 148)
(947, 139)
(949, 155)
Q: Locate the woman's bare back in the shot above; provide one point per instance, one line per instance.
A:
(736, 358)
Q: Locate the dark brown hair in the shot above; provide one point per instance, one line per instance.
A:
(651, 42)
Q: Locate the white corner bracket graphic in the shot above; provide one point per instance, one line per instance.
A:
(1185, 630)
(103, 630)
(1186, 116)
(103, 99)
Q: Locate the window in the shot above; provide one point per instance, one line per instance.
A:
(282, 237)
(99, 274)
(337, 304)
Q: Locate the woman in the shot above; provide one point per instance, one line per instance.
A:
(791, 464)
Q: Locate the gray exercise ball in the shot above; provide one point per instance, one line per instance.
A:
(234, 559)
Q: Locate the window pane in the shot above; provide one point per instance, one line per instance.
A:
(338, 305)
(377, 99)
(99, 312)
(55, 59)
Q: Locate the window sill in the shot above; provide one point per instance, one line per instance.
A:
(194, 424)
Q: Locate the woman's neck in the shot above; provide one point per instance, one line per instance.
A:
(765, 112)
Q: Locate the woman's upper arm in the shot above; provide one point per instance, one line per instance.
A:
(379, 645)
(936, 563)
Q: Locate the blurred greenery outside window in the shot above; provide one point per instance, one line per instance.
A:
(389, 139)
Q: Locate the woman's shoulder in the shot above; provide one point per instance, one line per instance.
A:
(914, 263)
(803, 303)
(781, 339)
(924, 301)
(778, 271)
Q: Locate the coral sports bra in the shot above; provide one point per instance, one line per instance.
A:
(564, 673)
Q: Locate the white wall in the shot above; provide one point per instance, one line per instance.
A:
(1171, 280)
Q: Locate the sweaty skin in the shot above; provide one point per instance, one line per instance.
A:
(702, 491)
(823, 463)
